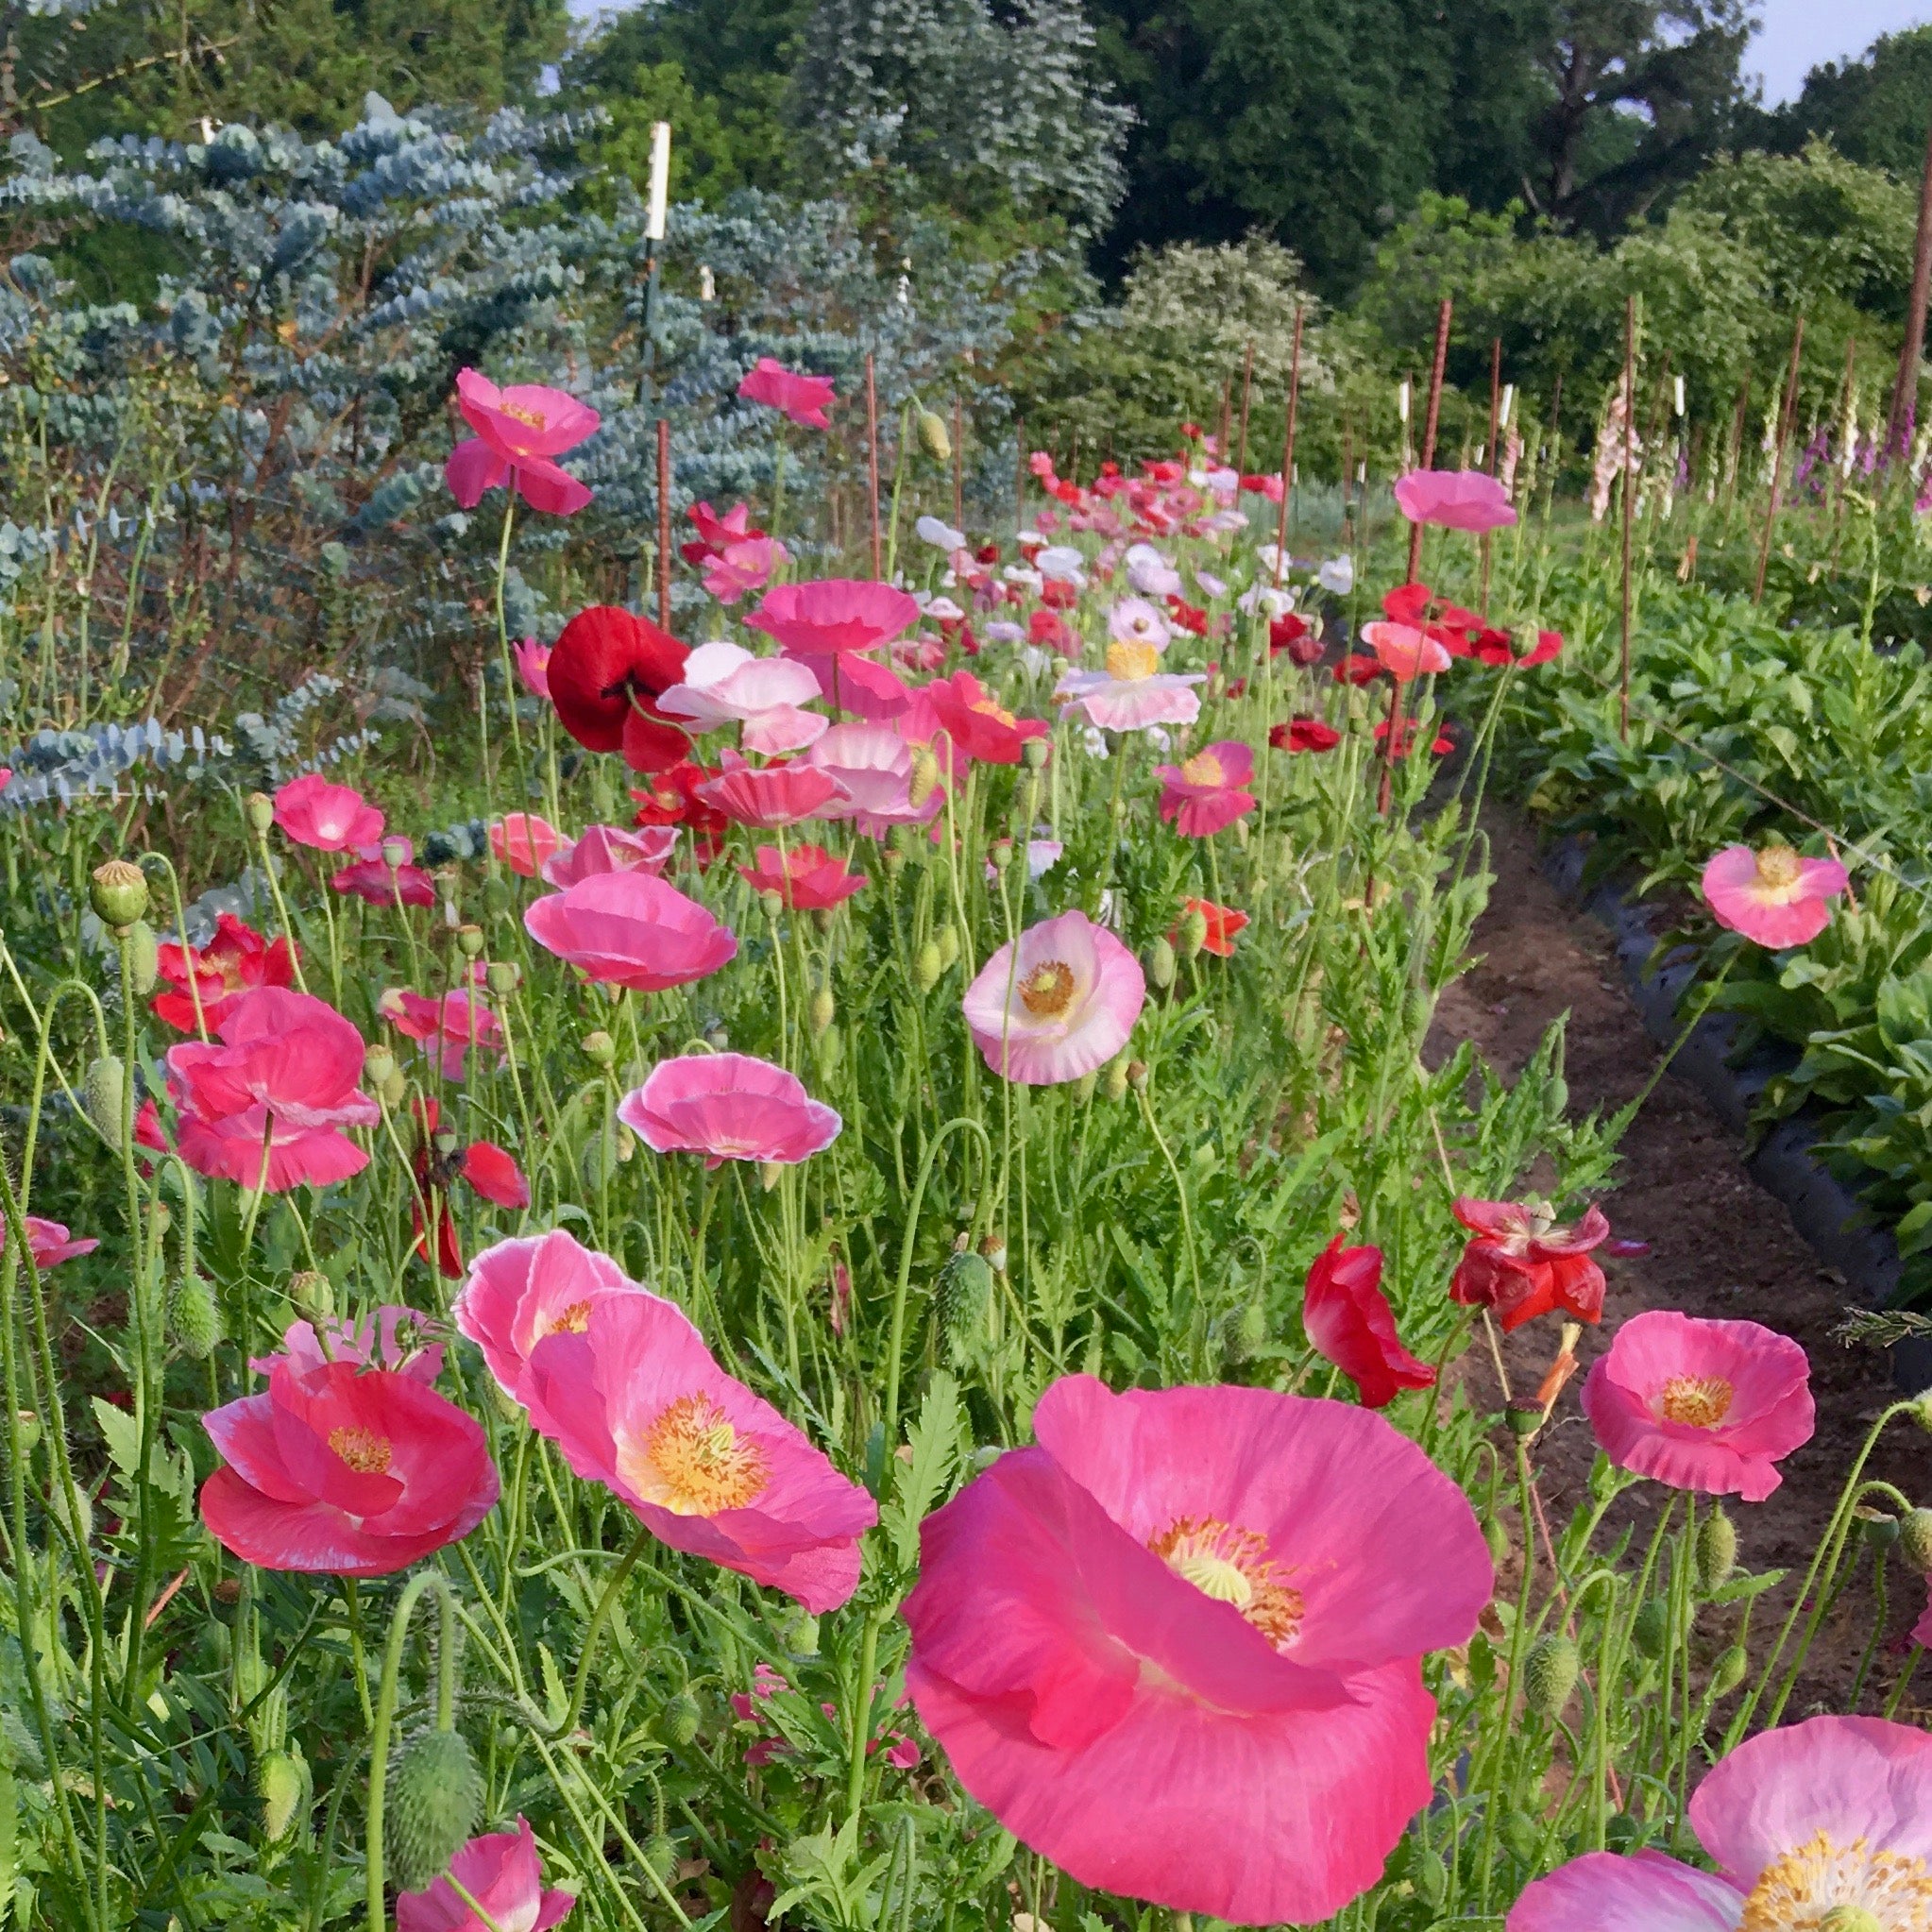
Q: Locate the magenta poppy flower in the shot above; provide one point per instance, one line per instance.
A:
(49, 1244)
(1455, 499)
(373, 879)
(1711, 1406)
(1059, 1007)
(391, 1337)
(1404, 651)
(741, 567)
(534, 667)
(520, 1291)
(833, 615)
(728, 1107)
(631, 929)
(804, 399)
(326, 817)
(1349, 1320)
(872, 766)
(724, 683)
(523, 841)
(805, 878)
(768, 796)
(850, 681)
(446, 1027)
(635, 1402)
(518, 431)
(501, 1871)
(1827, 1822)
(1775, 896)
(611, 849)
(1207, 793)
(606, 673)
(1175, 1646)
(716, 533)
(345, 1470)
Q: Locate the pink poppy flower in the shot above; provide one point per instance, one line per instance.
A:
(631, 929)
(724, 683)
(768, 796)
(850, 681)
(1827, 1822)
(1207, 793)
(1455, 499)
(534, 667)
(283, 1082)
(345, 1470)
(501, 1871)
(871, 764)
(976, 721)
(373, 879)
(1774, 896)
(1175, 1646)
(48, 1241)
(611, 849)
(805, 878)
(234, 961)
(1134, 620)
(518, 431)
(741, 567)
(520, 1291)
(390, 1336)
(728, 1107)
(1132, 692)
(1706, 1405)
(1349, 1320)
(1522, 1264)
(834, 615)
(804, 399)
(1404, 651)
(1059, 1007)
(447, 1027)
(716, 533)
(523, 841)
(326, 817)
(635, 1402)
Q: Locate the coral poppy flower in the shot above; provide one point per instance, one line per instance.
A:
(635, 1402)
(1354, 669)
(724, 683)
(1296, 637)
(524, 842)
(1175, 1647)
(373, 879)
(1349, 1320)
(610, 849)
(631, 929)
(1454, 500)
(805, 878)
(1522, 1264)
(534, 667)
(1224, 923)
(1060, 1005)
(236, 961)
(501, 1871)
(1304, 735)
(1206, 793)
(49, 1244)
(345, 1471)
(1827, 1822)
(976, 721)
(390, 1336)
(447, 1027)
(518, 431)
(804, 399)
(1422, 609)
(520, 1291)
(872, 766)
(1404, 653)
(1440, 745)
(768, 796)
(672, 799)
(1705, 1405)
(607, 669)
(1774, 896)
(728, 1107)
(326, 817)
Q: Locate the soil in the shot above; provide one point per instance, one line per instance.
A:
(1720, 1247)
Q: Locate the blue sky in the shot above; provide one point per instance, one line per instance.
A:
(1799, 34)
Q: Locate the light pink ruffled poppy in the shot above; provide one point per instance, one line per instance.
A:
(743, 567)
(501, 1871)
(519, 430)
(1827, 1822)
(326, 817)
(1176, 1648)
(635, 1402)
(1206, 793)
(1711, 1406)
(768, 796)
(872, 766)
(446, 1027)
(1775, 896)
(522, 1290)
(1132, 692)
(804, 399)
(728, 1107)
(724, 683)
(1404, 651)
(391, 1337)
(523, 841)
(1060, 1005)
(611, 849)
(49, 1242)
(806, 878)
(1454, 499)
(631, 929)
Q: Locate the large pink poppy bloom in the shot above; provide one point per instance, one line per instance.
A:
(518, 431)
(806, 878)
(522, 1290)
(728, 1107)
(833, 615)
(872, 765)
(1132, 692)
(283, 1083)
(391, 1337)
(501, 1871)
(1207, 793)
(1455, 499)
(1404, 651)
(524, 842)
(1350, 1323)
(346, 1470)
(804, 399)
(635, 1402)
(1519, 1261)
(447, 1027)
(1825, 1822)
(724, 683)
(50, 1243)
(1705, 1405)
(1775, 896)
(631, 929)
(768, 796)
(373, 880)
(326, 817)
(1176, 1647)
(611, 849)
(1060, 1005)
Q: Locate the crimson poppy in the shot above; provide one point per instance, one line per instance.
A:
(606, 673)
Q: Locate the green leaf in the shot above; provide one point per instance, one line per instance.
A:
(936, 1449)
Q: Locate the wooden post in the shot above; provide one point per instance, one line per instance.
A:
(663, 525)
(872, 455)
(1786, 411)
(1429, 421)
(1019, 473)
(1624, 462)
(1288, 451)
(1495, 429)
(1246, 391)
(959, 464)
(1736, 450)
(1905, 392)
(1221, 434)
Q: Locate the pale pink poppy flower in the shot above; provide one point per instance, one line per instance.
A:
(391, 1337)
(1207, 793)
(635, 1402)
(326, 817)
(1150, 573)
(768, 796)
(872, 766)
(1455, 499)
(518, 431)
(49, 1244)
(741, 567)
(1774, 896)
(728, 1107)
(1404, 651)
(611, 849)
(1710, 1406)
(1059, 1007)
(1827, 1822)
(446, 1027)
(533, 666)
(522, 1290)
(1134, 620)
(501, 1871)
(724, 683)
(804, 399)
(1132, 692)
(631, 929)
(375, 881)
(523, 841)
(1175, 1646)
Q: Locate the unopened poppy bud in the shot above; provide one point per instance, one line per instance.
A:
(194, 1315)
(1115, 1083)
(104, 1094)
(677, 1722)
(924, 776)
(934, 434)
(661, 1853)
(1001, 855)
(599, 1049)
(1717, 1551)
(927, 965)
(1137, 1076)
(948, 939)
(1193, 932)
(1161, 964)
(1240, 830)
(280, 1782)
(497, 896)
(993, 1247)
(311, 1293)
(118, 893)
(895, 861)
(770, 1174)
(1915, 1540)
(29, 1428)
(772, 902)
(502, 977)
(378, 1064)
(260, 811)
(162, 1217)
(1881, 1530)
(395, 1090)
(1729, 1671)
(1651, 1629)
(144, 958)
(821, 1010)
(436, 1797)
(1496, 1539)
(1033, 754)
(1550, 1674)
(395, 854)
(469, 940)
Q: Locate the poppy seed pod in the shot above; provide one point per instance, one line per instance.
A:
(1001, 855)
(260, 811)
(1033, 754)
(503, 976)
(1550, 1674)
(378, 1064)
(118, 890)
(772, 901)
(1915, 1540)
(311, 1293)
(935, 435)
(599, 1049)
(436, 1797)
(469, 940)
(397, 854)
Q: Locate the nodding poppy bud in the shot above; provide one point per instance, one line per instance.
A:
(965, 1295)
(1550, 1674)
(770, 1174)
(948, 938)
(1717, 1551)
(772, 902)
(395, 1090)
(935, 435)
(677, 1722)
(260, 811)
(312, 1293)
(1730, 1670)
(378, 1064)
(1881, 1530)
(925, 776)
(599, 1049)
(281, 1780)
(1115, 1084)
(194, 1315)
(928, 963)
(144, 958)
(1193, 932)
(661, 1853)
(469, 940)
(1084, 1086)
(1651, 1629)
(104, 1094)
(1496, 1537)
(395, 854)
(502, 977)
(821, 1010)
(1033, 754)
(118, 893)
(436, 1797)
(1160, 962)
(1915, 1540)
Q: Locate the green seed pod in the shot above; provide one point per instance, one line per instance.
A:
(1033, 754)
(1550, 1674)
(677, 1722)
(1497, 1538)
(118, 893)
(194, 1315)
(281, 1780)
(1730, 1671)
(1851, 1919)
(435, 1798)
(948, 938)
(144, 954)
(378, 1064)
(470, 941)
(599, 1049)
(929, 965)
(1717, 1551)
(661, 1853)
(1915, 1540)
(1193, 933)
(822, 1010)
(934, 434)
(503, 976)
(1651, 1631)
(1160, 963)
(104, 1094)
(312, 1293)
(261, 811)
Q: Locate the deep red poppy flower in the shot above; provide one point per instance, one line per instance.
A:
(1500, 647)
(1449, 624)
(1304, 735)
(1355, 668)
(1522, 1264)
(672, 799)
(606, 673)
(1187, 617)
(1441, 744)
(440, 1161)
(1349, 1320)
(1296, 636)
